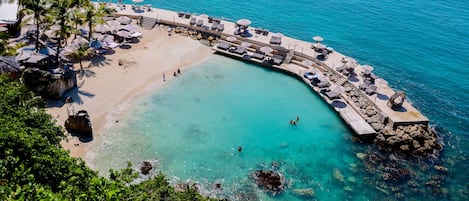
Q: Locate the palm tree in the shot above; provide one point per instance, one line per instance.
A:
(39, 9)
(83, 52)
(60, 10)
(77, 18)
(95, 15)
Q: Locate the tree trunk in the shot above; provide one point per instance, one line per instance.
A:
(37, 33)
(90, 24)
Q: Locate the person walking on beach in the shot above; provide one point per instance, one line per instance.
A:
(179, 71)
(164, 77)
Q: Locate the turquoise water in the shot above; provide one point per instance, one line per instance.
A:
(419, 46)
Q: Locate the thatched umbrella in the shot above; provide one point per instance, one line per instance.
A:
(129, 27)
(102, 28)
(231, 38)
(243, 22)
(123, 34)
(246, 44)
(124, 20)
(113, 23)
(318, 39)
(266, 49)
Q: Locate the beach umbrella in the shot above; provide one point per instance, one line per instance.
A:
(243, 22)
(102, 28)
(80, 41)
(278, 34)
(381, 81)
(338, 89)
(113, 23)
(129, 27)
(246, 44)
(123, 34)
(367, 68)
(96, 35)
(307, 62)
(107, 38)
(318, 39)
(319, 46)
(96, 44)
(266, 49)
(203, 16)
(231, 38)
(323, 78)
(47, 51)
(124, 20)
(137, 1)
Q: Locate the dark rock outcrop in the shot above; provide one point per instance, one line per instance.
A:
(269, 180)
(50, 84)
(80, 124)
(146, 167)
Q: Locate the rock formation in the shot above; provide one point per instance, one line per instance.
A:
(80, 123)
(50, 84)
(146, 167)
(269, 180)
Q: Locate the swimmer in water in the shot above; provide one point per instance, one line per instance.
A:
(297, 118)
(240, 149)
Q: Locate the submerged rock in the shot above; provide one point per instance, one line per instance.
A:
(306, 192)
(361, 156)
(338, 175)
(271, 181)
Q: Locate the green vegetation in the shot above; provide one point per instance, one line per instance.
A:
(33, 165)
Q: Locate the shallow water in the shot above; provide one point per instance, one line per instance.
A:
(418, 46)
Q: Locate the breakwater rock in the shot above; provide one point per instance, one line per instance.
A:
(415, 140)
(269, 180)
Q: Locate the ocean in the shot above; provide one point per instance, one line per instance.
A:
(193, 126)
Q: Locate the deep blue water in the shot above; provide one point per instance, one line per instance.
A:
(420, 47)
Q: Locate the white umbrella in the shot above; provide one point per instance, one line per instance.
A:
(278, 34)
(102, 28)
(266, 49)
(129, 27)
(113, 23)
(243, 22)
(381, 81)
(124, 20)
(137, 1)
(80, 41)
(367, 68)
(123, 34)
(246, 44)
(338, 89)
(231, 38)
(318, 38)
(307, 62)
(203, 16)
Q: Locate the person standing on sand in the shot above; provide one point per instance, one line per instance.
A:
(164, 77)
(179, 71)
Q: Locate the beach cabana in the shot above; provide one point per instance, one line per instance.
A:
(275, 40)
(367, 68)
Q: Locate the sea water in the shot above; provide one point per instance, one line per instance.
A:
(420, 47)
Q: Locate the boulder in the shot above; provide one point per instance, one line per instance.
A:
(146, 167)
(338, 175)
(440, 168)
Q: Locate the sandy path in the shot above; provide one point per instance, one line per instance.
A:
(107, 85)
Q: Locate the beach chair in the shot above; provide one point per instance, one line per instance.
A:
(180, 14)
(240, 50)
(221, 27)
(214, 26)
(199, 23)
(192, 21)
(187, 15)
(258, 55)
(223, 46)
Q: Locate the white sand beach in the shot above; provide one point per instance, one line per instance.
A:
(107, 85)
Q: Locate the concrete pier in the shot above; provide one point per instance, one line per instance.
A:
(295, 52)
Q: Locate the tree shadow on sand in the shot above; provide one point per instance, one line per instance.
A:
(99, 61)
(75, 94)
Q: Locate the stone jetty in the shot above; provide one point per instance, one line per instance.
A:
(366, 103)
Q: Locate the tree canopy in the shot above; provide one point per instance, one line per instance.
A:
(33, 165)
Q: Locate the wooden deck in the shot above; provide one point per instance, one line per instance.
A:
(300, 49)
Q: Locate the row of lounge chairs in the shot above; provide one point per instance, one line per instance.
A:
(264, 32)
(215, 26)
(275, 40)
(240, 50)
(184, 15)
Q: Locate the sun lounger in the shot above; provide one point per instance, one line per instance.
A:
(180, 14)
(199, 23)
(187, 15)
(258, 30)
(323, 84)
(223, 46)
(193, 20)
(210, 19)
(214, 26)
(277, 59)
(221, 27)
(265, 32)
(240, 50)
(258, 56)
(275, 40)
